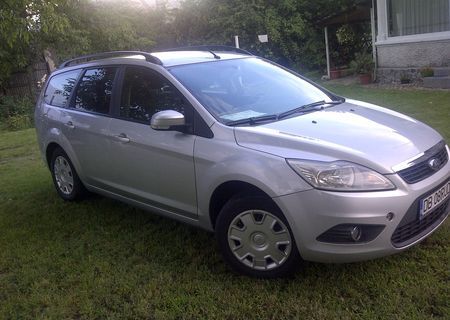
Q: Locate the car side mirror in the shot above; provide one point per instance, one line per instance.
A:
(165, 120)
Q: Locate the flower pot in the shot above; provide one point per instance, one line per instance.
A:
(335, 74)
(365, 78)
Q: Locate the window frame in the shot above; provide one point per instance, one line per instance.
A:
(384, 38)
(199, 127)
(113, 91)
(388, 21)
(116, 111)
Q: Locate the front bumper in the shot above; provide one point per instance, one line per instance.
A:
(312, 212)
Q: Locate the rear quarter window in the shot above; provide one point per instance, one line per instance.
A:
(60, 87)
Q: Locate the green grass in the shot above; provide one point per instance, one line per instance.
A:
(103, 259)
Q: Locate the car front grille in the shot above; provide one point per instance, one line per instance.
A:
(409, 231)
(421, 169)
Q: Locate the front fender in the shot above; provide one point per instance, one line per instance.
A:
(220, 161)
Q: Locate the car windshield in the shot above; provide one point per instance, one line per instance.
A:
(233, 90)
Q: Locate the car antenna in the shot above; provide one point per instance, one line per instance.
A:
(215, 55)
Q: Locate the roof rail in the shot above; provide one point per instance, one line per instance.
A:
(148, 57)
(210, 48)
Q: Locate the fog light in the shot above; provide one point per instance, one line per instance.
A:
(351, 233)
(355, 233)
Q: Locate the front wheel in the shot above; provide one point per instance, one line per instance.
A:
(255, 238)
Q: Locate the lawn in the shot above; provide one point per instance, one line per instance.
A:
(103, 259)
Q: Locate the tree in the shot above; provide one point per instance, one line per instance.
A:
(26, 27)
(294, 38)
(75, 27)
(70, 28)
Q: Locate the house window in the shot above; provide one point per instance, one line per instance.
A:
(408, 17)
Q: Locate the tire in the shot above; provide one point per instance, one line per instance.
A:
(65, 178)
(255, 238)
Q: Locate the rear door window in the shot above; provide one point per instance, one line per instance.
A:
(60, 87)
(95, 89)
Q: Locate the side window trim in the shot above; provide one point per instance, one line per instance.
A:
(75, 88)
(71, 105)
(114, 109)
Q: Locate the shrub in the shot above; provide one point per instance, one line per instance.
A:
(362, 64)
(18, 122)
(427, 72)
(16, 112)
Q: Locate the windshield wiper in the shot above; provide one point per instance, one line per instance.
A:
(303, 109)
(308, 107)
(252, 120)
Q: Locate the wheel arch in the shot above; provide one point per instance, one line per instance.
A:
(227, 190)
(51, 147)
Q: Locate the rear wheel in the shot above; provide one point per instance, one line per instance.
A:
(255, 238)
(65, 178)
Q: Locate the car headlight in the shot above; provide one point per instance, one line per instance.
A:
(340, 176)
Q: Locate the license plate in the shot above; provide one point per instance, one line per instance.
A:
(429, 203)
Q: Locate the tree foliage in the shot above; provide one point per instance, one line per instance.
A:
(74, 27)
(27, 27)
(295, 39)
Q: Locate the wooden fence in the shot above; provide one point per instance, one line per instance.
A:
(27, 82)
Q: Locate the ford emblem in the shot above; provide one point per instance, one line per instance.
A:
(434, 164)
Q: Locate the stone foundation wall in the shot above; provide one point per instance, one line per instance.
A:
(395, 75)
(405, 60)
(414, 55)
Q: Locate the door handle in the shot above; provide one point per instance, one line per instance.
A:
(122, 138)
(70, 125)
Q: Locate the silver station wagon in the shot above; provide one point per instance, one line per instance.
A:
(281, 169)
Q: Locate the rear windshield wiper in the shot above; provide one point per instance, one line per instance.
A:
(308, 107)
(252, 120)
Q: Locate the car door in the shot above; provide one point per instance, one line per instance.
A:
(154, 167)
(86, 123)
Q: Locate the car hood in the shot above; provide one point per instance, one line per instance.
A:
(354, 131)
